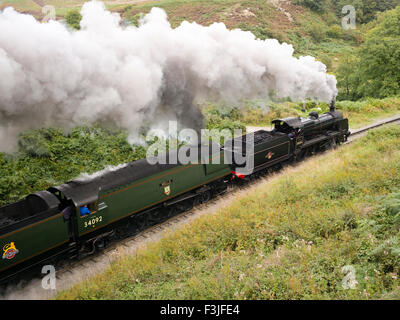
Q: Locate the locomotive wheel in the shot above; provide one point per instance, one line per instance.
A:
(140, 222)
(301, 155)
(173, 211)
(308, 153)
(186, 205)
(332, 144)
(197, 200)
(329, 145)
(156, 216)
(206, 196)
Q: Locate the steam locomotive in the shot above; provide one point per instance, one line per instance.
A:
(35, 231)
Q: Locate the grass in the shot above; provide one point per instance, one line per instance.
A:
(261, 113)
(366, 111)
(291, 238)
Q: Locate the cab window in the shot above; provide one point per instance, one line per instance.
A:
(282, 127)
(92, 207)
(88, 209)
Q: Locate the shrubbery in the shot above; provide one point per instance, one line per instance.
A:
(366, 10)
(375, 71)
(335, 31)
(48, 157)
(316, 5)
(73, 19)
(317, 32)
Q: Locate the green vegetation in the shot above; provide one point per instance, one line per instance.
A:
(375, 70)
(366, 10)
(48, 157)
(291, 240)
(261, 113)
(73, 19)
(316, 5)
(368, 110)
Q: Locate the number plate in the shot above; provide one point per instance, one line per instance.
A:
(92, 221)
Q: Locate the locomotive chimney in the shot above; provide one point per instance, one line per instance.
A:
(332, 105)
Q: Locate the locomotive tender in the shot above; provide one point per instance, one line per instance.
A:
(34, 232)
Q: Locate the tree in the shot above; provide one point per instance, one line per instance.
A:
(379, 68)
(347, 78)
(375, 71)
(73, 19)
(366, 10)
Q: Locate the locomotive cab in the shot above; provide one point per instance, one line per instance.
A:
(68, 195)
(293, 127)
(282, 126)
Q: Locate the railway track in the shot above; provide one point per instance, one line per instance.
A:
(73, 272)
(357, 133)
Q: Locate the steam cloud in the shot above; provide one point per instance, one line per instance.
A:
(53, 76)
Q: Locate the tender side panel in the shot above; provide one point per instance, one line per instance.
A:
(145, 193)
(32, 240)
(266, 153)
(15, 211)
(216, 165)
(272, 152)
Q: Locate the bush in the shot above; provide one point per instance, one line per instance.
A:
(73, 19)
(316, 32)
(315, 5)
(261, 31)
(48, 157)
(379, 70)
(326, 60)
(352, 35)
(335, 31)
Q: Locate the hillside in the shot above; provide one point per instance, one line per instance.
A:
(300, 234)
(293, 237)
(310, 32)
(48, 157)
(305, 29)
(312, 27)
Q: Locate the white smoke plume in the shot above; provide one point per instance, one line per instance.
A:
(53, 76)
